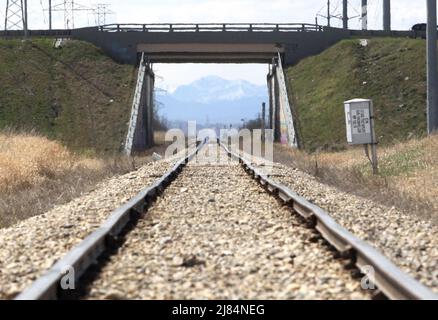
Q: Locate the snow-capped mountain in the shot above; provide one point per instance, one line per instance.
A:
(213, 88)
(213, 99)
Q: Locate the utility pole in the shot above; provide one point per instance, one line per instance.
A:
(328, 13)
(50, 14)
(328, 16)
(69, 7)
(263, 120)
(345, 14)
(69, 16)
(364, 15)
(26, 31)
(101, 12)
(343, 17)
(387, 15)
(432, 72)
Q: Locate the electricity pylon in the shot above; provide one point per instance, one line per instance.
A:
(16, 15)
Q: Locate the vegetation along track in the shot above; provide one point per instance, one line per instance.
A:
(215, 233)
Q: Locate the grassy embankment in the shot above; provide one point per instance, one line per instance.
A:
(74, 94)
(73, 104)
(408, 176)
(392, 73)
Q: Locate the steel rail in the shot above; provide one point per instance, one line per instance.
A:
(85, 254)
(389, 279)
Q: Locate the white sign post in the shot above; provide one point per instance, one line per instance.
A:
(359, 117)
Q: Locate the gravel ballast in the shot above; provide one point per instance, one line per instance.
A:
(406, 239)
(32, 246)
(216, 234)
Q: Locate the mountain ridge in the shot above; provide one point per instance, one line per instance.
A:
(214, 99)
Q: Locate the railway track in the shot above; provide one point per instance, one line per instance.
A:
(207, 230)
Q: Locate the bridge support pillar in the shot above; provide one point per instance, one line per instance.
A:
(140, 133)
(282, 113)
(149, 106)
(277, 109)
(274, 103)
(271, 101)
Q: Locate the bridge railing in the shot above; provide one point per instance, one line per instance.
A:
(213, 27)
(36, 33)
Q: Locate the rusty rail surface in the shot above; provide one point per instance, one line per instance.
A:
(85, 254)
(389, 279)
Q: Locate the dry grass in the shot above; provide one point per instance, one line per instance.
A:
(27, 160)
(408, 177)
(37, 174)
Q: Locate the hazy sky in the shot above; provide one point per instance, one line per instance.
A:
(405, 13)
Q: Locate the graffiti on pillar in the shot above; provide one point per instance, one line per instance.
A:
(283, 129)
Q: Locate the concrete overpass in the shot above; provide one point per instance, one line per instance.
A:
(210, 43)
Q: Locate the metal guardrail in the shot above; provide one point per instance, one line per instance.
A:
(66, 33)
(81, 257)
(389, 279)
(213, 27)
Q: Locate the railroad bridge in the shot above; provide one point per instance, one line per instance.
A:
(278, 45)
(224, 43)
(213, 42)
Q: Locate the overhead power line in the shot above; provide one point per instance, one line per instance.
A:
(336, 13)
(69, 9)
(101, 12)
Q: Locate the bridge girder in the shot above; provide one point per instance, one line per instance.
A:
(210, 52)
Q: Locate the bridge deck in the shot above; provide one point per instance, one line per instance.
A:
(223, 41)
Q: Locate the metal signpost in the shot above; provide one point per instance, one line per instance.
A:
(359, 117)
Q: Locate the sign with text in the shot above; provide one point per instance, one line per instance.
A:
(359, 121)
